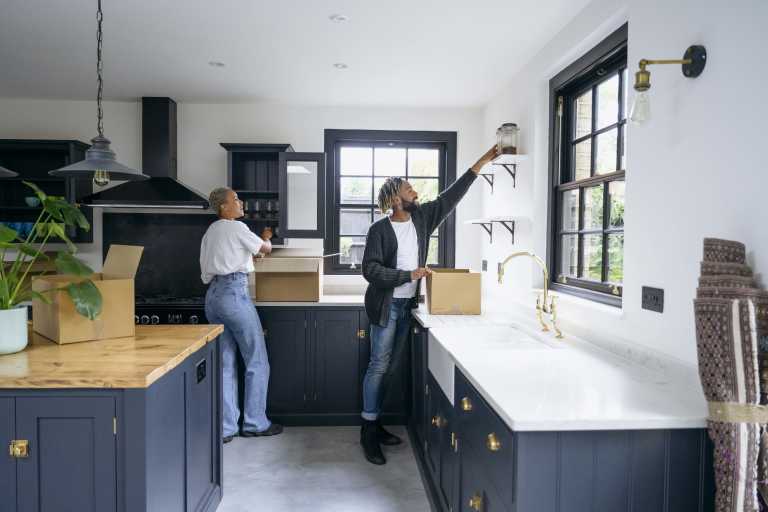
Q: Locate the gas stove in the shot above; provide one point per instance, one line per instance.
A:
(163, 310)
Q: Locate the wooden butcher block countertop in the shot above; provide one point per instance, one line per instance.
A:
(134, 362)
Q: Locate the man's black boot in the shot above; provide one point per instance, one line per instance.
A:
(387, 438)
(369, 438)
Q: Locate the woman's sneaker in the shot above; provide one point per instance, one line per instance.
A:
(273, 430)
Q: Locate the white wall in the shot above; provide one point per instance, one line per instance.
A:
(695, 170)
(202, 162)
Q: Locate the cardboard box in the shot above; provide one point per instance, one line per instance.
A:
(60, 322)
(284, 279)
(453, 291)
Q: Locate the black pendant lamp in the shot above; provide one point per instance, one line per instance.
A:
(99, 163)
(7, 173)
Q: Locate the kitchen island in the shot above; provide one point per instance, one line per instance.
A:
(125, 424)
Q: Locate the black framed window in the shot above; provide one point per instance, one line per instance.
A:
(358, 162)
(588, 167)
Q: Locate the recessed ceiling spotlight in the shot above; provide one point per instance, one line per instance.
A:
(216, 64)
(338, 18)
(340, 65)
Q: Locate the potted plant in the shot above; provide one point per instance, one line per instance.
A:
(15, 289)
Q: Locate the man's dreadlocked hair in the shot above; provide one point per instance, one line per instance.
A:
(389, 190)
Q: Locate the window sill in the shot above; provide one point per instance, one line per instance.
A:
(607, 302)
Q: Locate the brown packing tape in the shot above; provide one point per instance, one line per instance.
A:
(730, 412)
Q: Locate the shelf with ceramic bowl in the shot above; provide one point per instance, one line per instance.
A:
(507, 222)
(509, 162)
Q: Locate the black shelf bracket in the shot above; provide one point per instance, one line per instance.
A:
(490, 178)
(510, 225)
(488, 227)
(512, 170)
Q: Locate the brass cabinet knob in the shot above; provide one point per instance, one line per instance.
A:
(466, 404)
(476, 502)
(19, 448)
(493, 442)
(438, 421)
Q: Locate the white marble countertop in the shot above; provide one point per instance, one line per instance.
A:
(325, 300)
(537, 383)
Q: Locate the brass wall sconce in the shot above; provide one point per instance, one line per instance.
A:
(693, 62)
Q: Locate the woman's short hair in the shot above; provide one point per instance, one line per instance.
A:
(387, 193)
(218, 197)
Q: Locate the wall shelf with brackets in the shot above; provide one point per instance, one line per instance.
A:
(487, 224)
(508, 162)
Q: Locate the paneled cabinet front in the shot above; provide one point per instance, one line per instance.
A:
(287, 346)
(7, 461)
(71, 454)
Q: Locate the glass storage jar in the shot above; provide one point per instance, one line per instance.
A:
(506, 138)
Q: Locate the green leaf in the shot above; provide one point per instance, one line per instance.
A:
(7, 234)
(31, 251)
(68, 264)
(86, 297)
(39, 193)
(54, 206)
(54, 229)
(4, 294)
(74, 217)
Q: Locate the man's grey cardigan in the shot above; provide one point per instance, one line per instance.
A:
(380, 257)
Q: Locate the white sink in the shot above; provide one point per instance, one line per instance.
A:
(507, 337)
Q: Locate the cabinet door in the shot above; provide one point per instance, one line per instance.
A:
(302, 195)
(7, 463)
(202, 420)
(336, 352)
(418, 377)
(448, 456)
(287, 347)
(434, 423)
(71, 454)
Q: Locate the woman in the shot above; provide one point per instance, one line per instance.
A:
(226, 258)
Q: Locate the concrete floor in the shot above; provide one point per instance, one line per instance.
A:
(319, 469)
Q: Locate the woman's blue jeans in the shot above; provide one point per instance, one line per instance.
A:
(227, 302)
(387, 346)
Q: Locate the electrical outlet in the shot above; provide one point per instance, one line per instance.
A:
(653, 299)
(485, 265)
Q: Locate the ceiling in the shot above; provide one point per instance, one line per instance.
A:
(446, 53)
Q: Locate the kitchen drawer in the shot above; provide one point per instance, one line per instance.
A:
(477, 495)
(488, 443)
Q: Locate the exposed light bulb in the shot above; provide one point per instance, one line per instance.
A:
(641, 108)
(101, 177)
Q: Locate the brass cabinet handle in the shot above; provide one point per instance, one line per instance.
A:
(19, 448)
(493, 442)
(438, 422)
(361, 334)
(466, 404)
(476, 502)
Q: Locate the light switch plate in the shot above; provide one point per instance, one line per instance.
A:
(485, 265)
(653, 299)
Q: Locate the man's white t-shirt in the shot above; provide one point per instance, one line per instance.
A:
(407, 255)
(228, 246)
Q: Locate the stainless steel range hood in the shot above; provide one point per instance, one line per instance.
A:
(158, 145)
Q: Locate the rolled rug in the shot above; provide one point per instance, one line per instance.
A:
(727, 343)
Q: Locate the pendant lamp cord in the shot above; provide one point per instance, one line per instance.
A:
(99, 70)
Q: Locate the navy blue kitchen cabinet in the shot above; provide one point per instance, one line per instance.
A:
(318, 356)
(417, 418)
(440, 446)
(124, 450)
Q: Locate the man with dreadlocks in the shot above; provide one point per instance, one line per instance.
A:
(393, 263)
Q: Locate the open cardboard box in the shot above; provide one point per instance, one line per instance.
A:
(287, 279)
(60, 322)
(453, 291)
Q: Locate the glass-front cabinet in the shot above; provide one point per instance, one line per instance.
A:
(302, 187)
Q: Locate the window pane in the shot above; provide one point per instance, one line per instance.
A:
(625, 92)
(423, 162)
(425, 187)
(615, 258)
(378, 215)
(389, 162)
(606, 152)
(432, 251)
(608, 102)
(616, 199)
(354, 160)
(623, 146)
(570, 210)
(593, 207)
(583, 114)
(354, 222)
(351, 248)
(592, 258)
(582, 159)
(569, 255)
(356, 190)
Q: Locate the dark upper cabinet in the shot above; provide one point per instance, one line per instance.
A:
(71, 454)
(32, 159)
(335, 348)
(302, 195)
(7, 463)
(287, 346)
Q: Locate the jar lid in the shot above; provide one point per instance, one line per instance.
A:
(509, 125)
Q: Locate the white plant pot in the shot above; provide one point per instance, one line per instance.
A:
(13, 330)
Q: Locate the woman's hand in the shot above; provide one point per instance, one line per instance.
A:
(487, 157)
(266, 234)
